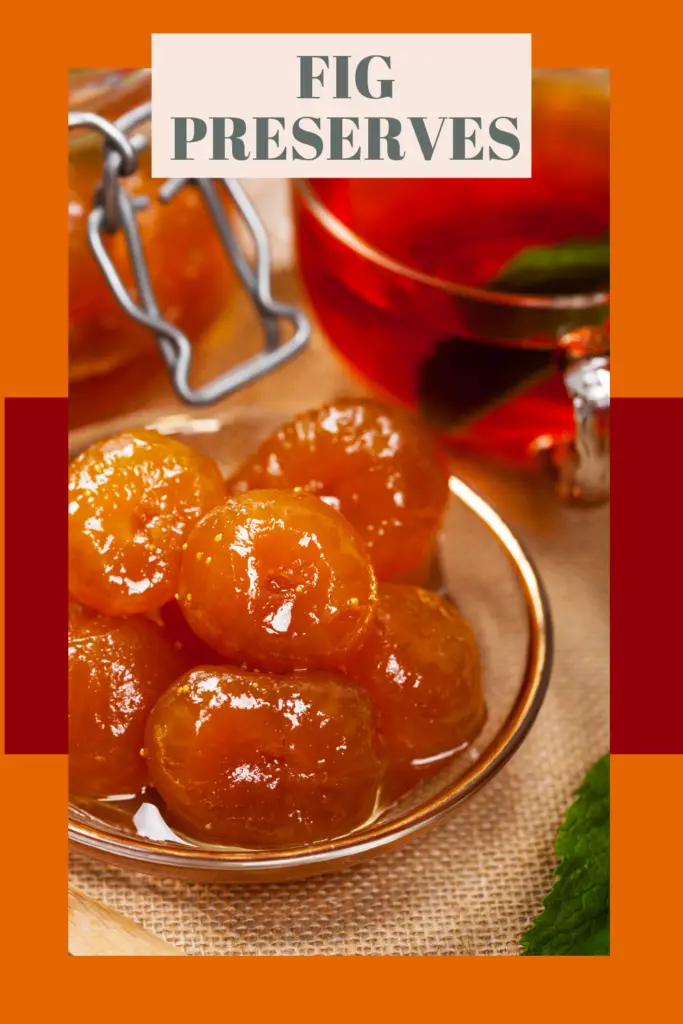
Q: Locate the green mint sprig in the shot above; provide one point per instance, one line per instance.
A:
(575, 916)
(571, 267)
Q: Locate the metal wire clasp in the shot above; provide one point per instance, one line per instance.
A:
(115, 210)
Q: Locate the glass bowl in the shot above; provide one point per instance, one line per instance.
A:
(486, 572)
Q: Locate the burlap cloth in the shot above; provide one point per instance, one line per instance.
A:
(472, 885)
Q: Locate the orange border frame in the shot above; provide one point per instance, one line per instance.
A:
(641, 975)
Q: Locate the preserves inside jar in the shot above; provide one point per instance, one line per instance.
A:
(190, 274)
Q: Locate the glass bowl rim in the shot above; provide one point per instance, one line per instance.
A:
(344, 234)
(527, 703)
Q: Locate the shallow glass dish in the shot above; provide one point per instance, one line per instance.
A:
(486, 572)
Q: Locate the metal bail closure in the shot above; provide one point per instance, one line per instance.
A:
(115, 209)
(579, 465)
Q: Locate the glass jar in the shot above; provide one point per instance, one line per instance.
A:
(189, 271)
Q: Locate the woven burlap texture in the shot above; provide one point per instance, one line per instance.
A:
(472, 885)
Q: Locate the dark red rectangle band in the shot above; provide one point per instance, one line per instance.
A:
(647, 576)
(36, 456)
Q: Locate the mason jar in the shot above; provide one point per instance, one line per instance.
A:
(192, 280)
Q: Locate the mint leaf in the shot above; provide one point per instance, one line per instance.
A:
(571, 267)
(575, 918)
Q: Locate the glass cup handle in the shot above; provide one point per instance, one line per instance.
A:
(579, 465)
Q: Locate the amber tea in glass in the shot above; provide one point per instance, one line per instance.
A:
(451, 294)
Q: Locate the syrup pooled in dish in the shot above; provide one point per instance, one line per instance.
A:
(373, 463)
(132, 501)
(277, 580)
(232, 658)
(238, 756)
